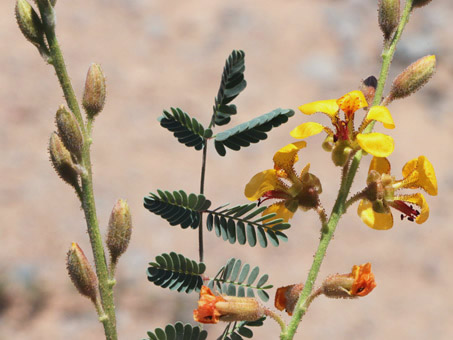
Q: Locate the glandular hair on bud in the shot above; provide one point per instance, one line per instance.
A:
(388, 16)
(119, 230)
(69, 132)
(62, 161)
(413, 77)
(29, 22)
(94, 92)
(420, 3)
(81, 273)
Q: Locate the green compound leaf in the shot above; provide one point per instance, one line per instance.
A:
(178, 331)
(187, 130)
(240, 330)
(234, 227)
(250, 132)
(235, 279)
(177, 207)
(176, 272)
(231, 85)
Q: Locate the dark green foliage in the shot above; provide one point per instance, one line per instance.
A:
(233, 279)
(178, 331)
(177, 207)
(239, 330)
(176, 272)
(188, 130)
(231, 85)
(250, 132)
(232, 225)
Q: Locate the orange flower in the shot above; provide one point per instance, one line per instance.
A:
(286, 297)
(359, 282)
(207, 312)
(214, 308)
(363, 280)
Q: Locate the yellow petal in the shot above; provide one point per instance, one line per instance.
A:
(381, 114)
(419, 200)
(281, 211)
(287, 156)
(351, 102)
(329, 107)
(376, 143)
(378, 221)
(306, 130)
(261, 183)
(424, 170)
(380, 164)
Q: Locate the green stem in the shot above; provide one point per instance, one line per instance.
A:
(88, 203)
(276, 318)
(202, 180)
(347, 179)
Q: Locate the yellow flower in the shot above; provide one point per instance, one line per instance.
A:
(375, 143)
(284, 184)
(214, 308)
(375, 209)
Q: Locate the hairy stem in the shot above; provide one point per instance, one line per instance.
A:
(347, 179)
(88, 203)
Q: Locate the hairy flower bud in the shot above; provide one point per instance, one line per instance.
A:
(389, 16)
(62, 161)
(69, 131)
(420, 3)
(413, 77)
(119, 230)
(29, 22)
(81, 273)
(94, 92)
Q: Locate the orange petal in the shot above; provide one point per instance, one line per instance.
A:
(207, 312)
(363, 280)
(351, 102)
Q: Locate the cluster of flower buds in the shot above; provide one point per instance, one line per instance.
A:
(65, 147)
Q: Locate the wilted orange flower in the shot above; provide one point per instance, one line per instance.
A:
(359, 282)
(214, 308)
(286, 297)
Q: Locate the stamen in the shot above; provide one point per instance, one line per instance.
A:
(407, 210)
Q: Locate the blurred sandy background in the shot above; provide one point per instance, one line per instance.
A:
(158, 54)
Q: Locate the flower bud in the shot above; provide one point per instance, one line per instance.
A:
(359, 282)
(328, 143)
(69, 132)
(119, 230)
(94, 93)
(212, 308)
(29, 22)
(389, 16)
(420, 3)
(62, 161)
(413, 77)
(286, 297)
(81, 273)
